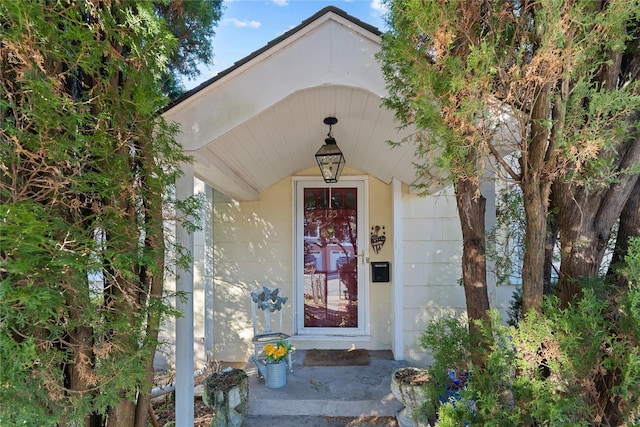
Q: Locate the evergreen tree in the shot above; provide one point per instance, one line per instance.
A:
(546, 90)
(86, 170)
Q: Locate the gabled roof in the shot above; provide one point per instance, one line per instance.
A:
(270, 44)
(261, 120)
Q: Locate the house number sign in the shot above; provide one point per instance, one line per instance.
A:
(377, 237)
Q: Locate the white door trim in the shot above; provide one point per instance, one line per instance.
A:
(364, 312)
(397, 275)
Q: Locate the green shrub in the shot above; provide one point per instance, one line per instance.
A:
(574, 367)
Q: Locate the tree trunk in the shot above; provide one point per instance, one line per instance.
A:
(143, 405)
(586, 217)
(583, 238)
(537, 160)
(534, 252)
(79, 371)
(154, 282)
(629, 226)
(123, 414)
(471, 209)
(125, 303)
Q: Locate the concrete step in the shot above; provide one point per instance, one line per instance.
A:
(327, 408)
(338, 395)
(318, 421)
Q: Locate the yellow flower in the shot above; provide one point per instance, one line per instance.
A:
(277, 352)
(269, 348)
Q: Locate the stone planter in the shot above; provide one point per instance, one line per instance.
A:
(406, 386)
(227, 393)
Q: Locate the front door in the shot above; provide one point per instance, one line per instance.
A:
(329, 283)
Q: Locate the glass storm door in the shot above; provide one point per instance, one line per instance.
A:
(329, 283)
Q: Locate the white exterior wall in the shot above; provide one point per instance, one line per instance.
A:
(432, 259)
(432, 266)
(252, 247)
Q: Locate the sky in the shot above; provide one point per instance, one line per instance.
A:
(248, 25)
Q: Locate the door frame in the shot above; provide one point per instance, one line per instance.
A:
(364, 315)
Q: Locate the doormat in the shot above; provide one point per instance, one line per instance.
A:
(354, 357)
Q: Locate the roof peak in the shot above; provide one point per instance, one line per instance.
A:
(322, 12)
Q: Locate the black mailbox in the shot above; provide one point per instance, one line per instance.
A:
(380, 271)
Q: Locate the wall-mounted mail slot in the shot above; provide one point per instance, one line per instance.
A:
(380, 271)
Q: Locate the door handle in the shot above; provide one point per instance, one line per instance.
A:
(363, 259)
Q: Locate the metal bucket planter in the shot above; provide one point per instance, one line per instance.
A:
(276, 374)
(227, 393)
(406, 386)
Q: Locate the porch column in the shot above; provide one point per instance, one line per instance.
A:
(184, 324)
(397, 297)
(208, 274)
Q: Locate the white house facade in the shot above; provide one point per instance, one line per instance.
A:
(366, 262)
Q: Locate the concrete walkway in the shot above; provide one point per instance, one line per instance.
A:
(327, 396)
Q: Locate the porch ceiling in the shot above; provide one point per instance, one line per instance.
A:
(262, 120)
(283, 139)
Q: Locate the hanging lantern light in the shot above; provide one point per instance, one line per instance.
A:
(329, 157)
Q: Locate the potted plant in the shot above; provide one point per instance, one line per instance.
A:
(407, 386)
(274, 365)
(454, 351)
(227, 393)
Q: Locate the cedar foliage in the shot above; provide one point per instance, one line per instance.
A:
(85, 173)
(578, 366)
(574, 366)
(545, 92)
